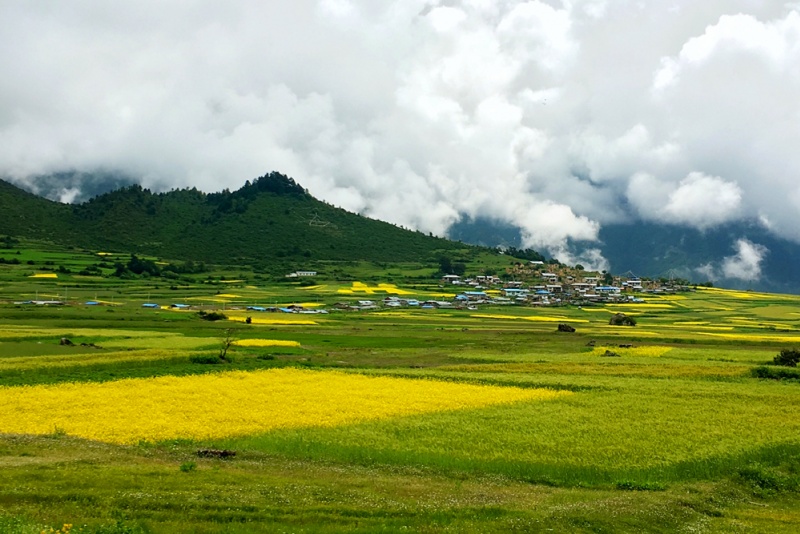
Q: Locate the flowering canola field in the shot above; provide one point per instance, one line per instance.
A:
(648, 351)
(234, 404)
(271, 321)
(265, 343)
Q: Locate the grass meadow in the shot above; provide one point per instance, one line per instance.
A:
(391, 420)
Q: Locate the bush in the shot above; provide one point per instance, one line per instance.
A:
(211, 316)
(771, 373)
(766, 480)
(620, 319)
(188, 466)
(787, 358)
(205, 359)
(627, 485)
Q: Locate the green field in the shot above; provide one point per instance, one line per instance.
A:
(688, 427)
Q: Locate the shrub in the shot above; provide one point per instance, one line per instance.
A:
(188, 466)
(764, 371)
(787, 358)
(620, 319)
(627, 485)
(765, 480)
(205, 359)
(211, 316)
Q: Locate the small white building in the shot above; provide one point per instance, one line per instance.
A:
(301, 273)
(550, 277)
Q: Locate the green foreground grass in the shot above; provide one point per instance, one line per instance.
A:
(676, 433)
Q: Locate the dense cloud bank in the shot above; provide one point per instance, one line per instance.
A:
(555, 116)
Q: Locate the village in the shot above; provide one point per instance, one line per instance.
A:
(533, 284)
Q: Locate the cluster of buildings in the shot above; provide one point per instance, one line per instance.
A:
(548, 288)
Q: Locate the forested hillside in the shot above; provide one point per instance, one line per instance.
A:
(269, 219)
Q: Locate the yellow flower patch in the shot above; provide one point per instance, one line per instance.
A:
(642, 305)
(162, 342)
(531, 318)
(235, 404)
(754, 337)
(361, 287)
(266, 343)
(57, 333)
(647, 351)
(44, 275)
(270, 320)
(86, 358)
(393, 289)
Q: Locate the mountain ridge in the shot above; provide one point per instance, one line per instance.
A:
(270, 219)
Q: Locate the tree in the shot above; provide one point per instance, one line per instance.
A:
(445, 265)
(227, 340)
(787, 358)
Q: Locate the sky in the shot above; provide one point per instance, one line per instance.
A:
(556, 116)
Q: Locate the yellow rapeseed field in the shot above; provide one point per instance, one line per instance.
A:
(44, 275)
(642, 305)
(266, 343)
(270, 320)
(55, 333)
(235, 403)
(361, 287)
(777, 338)
(161, 342)
(651, 351)
(84, 358)
(541, 318)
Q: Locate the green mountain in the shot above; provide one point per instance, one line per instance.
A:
(271, 219)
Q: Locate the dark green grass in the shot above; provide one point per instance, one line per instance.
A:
(50, 481)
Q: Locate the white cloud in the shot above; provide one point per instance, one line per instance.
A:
(708, 271)
(703, 201)
(554, 116)
(445, 19)
(698, 200)
(746, 264)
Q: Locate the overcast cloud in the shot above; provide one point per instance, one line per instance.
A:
(745, 265)
(558, 116)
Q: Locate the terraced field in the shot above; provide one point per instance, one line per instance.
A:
(389, 420)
